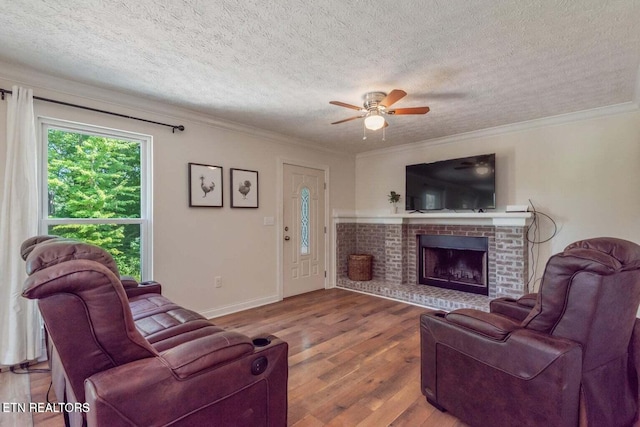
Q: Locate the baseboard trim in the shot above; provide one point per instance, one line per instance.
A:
(234, 308)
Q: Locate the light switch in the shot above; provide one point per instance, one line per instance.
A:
(269, 220)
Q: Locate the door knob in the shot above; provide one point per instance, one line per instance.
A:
(287, 238)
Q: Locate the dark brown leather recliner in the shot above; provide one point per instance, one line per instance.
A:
(566, 359)
(184, 371)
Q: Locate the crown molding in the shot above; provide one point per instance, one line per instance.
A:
(64, 89)
(70, 91)
(611, 110)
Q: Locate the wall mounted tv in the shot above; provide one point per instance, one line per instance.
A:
(458, 184)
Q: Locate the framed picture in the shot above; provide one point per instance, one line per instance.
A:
(205, 186)
(244, 188)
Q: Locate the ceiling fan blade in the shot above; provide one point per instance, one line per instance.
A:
(413, 110)
(346, 120)
(393, 97)
(342, 104)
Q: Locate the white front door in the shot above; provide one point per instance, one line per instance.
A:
(304, 230)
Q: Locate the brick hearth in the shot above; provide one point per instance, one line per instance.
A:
(427, 296)
(393, 246)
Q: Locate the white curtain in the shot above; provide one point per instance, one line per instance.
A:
(20, 331)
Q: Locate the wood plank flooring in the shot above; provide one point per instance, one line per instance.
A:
(354, 360)
(14, 388)
(39, 387)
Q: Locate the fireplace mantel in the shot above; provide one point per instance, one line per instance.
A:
(498, 219)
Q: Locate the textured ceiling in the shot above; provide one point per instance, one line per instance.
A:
(276, 65)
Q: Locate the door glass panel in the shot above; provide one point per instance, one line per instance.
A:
(304, 221)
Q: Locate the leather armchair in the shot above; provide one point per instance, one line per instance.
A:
(194, 373)
(567, 359)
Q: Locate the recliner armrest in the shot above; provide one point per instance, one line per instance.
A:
(191, 357)
(129, 282)
(148, 287)
(517, 309)
(523, 353)
(230, 393)
(527, 375)
(491, 325)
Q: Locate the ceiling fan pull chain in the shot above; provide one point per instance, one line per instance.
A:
(383, 133)
(364, 131)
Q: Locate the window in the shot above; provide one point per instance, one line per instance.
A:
(96, 188)
(432, 201)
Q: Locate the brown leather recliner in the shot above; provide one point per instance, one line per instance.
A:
(184, 371)
(565, 360)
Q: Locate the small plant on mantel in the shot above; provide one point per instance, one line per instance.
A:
(393, 199)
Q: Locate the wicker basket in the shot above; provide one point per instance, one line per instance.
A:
(360, 267)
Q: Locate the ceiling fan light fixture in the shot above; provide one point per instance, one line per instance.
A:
(374, 121)
(482, 169)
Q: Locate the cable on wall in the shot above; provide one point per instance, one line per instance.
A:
(536, 241)
(68, 104)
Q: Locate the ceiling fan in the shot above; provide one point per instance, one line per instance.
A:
(376, 106)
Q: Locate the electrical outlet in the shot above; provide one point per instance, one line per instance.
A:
(218, 281)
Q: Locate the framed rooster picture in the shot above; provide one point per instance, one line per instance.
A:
(205, 186)
(244, 188)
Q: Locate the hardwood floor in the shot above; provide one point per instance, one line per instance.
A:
(354, 360)
(39, 388)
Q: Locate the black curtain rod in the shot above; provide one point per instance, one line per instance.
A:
(173, 127)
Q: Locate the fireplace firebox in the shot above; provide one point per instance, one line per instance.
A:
(454, 262)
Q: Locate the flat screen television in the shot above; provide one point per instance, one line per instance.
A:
(467, 183)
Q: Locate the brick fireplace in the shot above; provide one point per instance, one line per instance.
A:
(394, 244)
(453, 262)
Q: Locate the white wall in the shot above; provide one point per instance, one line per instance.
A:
(584, 173)
(192, 245)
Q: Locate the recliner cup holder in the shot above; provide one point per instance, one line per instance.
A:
(261, 342)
